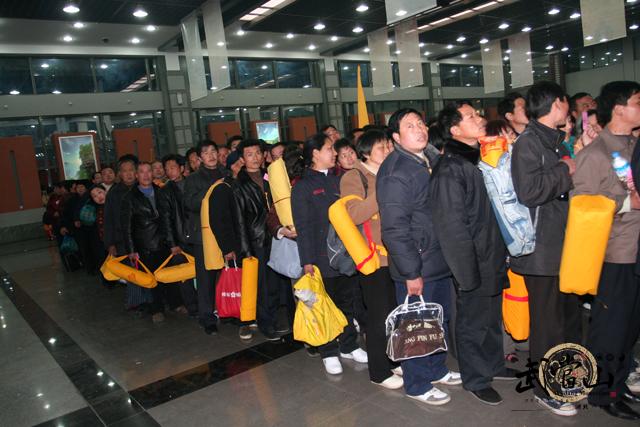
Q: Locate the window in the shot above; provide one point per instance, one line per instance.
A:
(349, 74)
(63, 75)
(471, 76)
(255, 74)
(293, 74)
(231, 71)
(16, 78)
(450, 75)
(121, 75)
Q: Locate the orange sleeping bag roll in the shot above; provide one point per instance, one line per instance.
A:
(145, 278)
(585, 243)
(213, 259)
(280, 187)
(176, 273)
(249, 298)
(515, 308)
(363, 253)
(106, 273)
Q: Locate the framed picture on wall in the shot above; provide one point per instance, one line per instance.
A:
(77, 156)
(268, 130)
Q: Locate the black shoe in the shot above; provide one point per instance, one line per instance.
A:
(282, 330)
(211, 329)
(270, 335)
(621, 410)
(507, 374)
(312, 351)
(631, 398)
(488, 396)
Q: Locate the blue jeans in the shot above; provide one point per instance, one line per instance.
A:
(419, 372)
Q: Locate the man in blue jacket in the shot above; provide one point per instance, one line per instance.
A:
(416, 262)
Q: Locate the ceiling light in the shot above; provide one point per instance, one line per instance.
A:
(71, 8)
(268, 45)
(575, 15)
(464, 55)
(135, 40)
(362, 8)
(55, 92)
(264, 67)
(619, 54)
(564, 49)
(389, 42)
(604, 39)
(484, 41)
(464, 12)
(290, 35)
(633, 27)
(506, 58)
(150, 28)
(345, 68)
(220, 44)
(44, 65)
(319, 26)
(224, 67)
(78, 25)
(334, 38)
(421, 44)
(248, 17)
(461, 39)
(132, 114)
(507, 51)
(440, 21)
(486, 49)
(427, 53)
(607, 53)
(482, 6)
(240, 33)
(67, 38)
(554, 11)
(449, 46)
(14, 92)
(140, 13)
(366, 50)
(312, 47)
(401, 12)
(549, 47)
(589, 38)
(526, 29)
(503, 26)
(104, 66)
(398, 52)
(357, 29)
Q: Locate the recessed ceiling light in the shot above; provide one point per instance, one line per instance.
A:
(55, 92)
(507, 51)
(575, 15)
(604, 39)
(526, 29)
(290, 35)
(240, 33)
(312, 47)
(220, 44)
(135, 40)
(506, 58)
(461, 39)
(140, 13)
(421, 44)
(268, 45)
(104, 66)
(362, 8)
(132, 114)
(564, 49)
(319, 26)
(150, 28)
(554, 11)
(401, 12)
(464, 55)
(14, 92)
(264, 67)
(486, 49)
(358, 29)
(449, 46)
(366, 50)
(589, 38)
(345, 68)
(71, 8)
(484, 41)
(78, 25)
(619, 54)
(67, 38)
(224, 67)
(427, 53)
(633, 27)
(549, 47)
(390, 42)
(334, 38)
(398, 52)
(503, 26)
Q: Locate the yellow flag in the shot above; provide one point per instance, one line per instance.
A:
(363, 116)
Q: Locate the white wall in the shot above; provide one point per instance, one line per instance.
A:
(592, 80)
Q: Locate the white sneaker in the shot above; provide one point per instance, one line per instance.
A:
(359, 355)
(332, 365)
(633, 382)
(397, 371)
(433, 397)
(450, 378)
(394, 382)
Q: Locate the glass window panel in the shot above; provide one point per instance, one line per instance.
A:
(255, 74)
(64, 75)
(121, 75)
(450, 75)
(298, 111)
(269, 113)
(348, 74)
(471, 76)
(231, 70)
(293, 74)
(16, 76)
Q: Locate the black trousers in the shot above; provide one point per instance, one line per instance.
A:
(613, 330)
(379, 293)
(555, 318)
(163, 293)
(340, 290)
(268, 292)
(187, 288)
(479, 339)
(206, 283)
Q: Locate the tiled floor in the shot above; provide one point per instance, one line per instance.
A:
(110, 367)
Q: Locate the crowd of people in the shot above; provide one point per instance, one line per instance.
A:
(433, 224)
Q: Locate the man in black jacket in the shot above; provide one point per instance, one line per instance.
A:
(195, 188)
(474, 250)
(541, 180)
(253, 199)
(143, 238)
(416, 261)
(173, 219)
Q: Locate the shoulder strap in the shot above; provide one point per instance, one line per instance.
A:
(365, 184)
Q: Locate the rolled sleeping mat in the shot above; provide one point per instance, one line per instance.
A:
(249, 298)
(515, 308)
(280, 187)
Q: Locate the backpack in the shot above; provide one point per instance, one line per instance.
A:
(514, 219)
(339, 258)
(87, 214)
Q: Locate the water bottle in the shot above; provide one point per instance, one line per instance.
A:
(622, 168)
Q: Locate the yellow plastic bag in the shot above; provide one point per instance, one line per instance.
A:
(249, 298)
(176, 273)
(515, 308)
(585, 243)
(364, 254)
(145, 278)
(281, 191)
(106, 273)
(321, 323)
(213, 259)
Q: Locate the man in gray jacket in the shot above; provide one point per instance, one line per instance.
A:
(615, 319)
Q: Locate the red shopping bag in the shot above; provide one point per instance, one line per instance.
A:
(228, 292)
